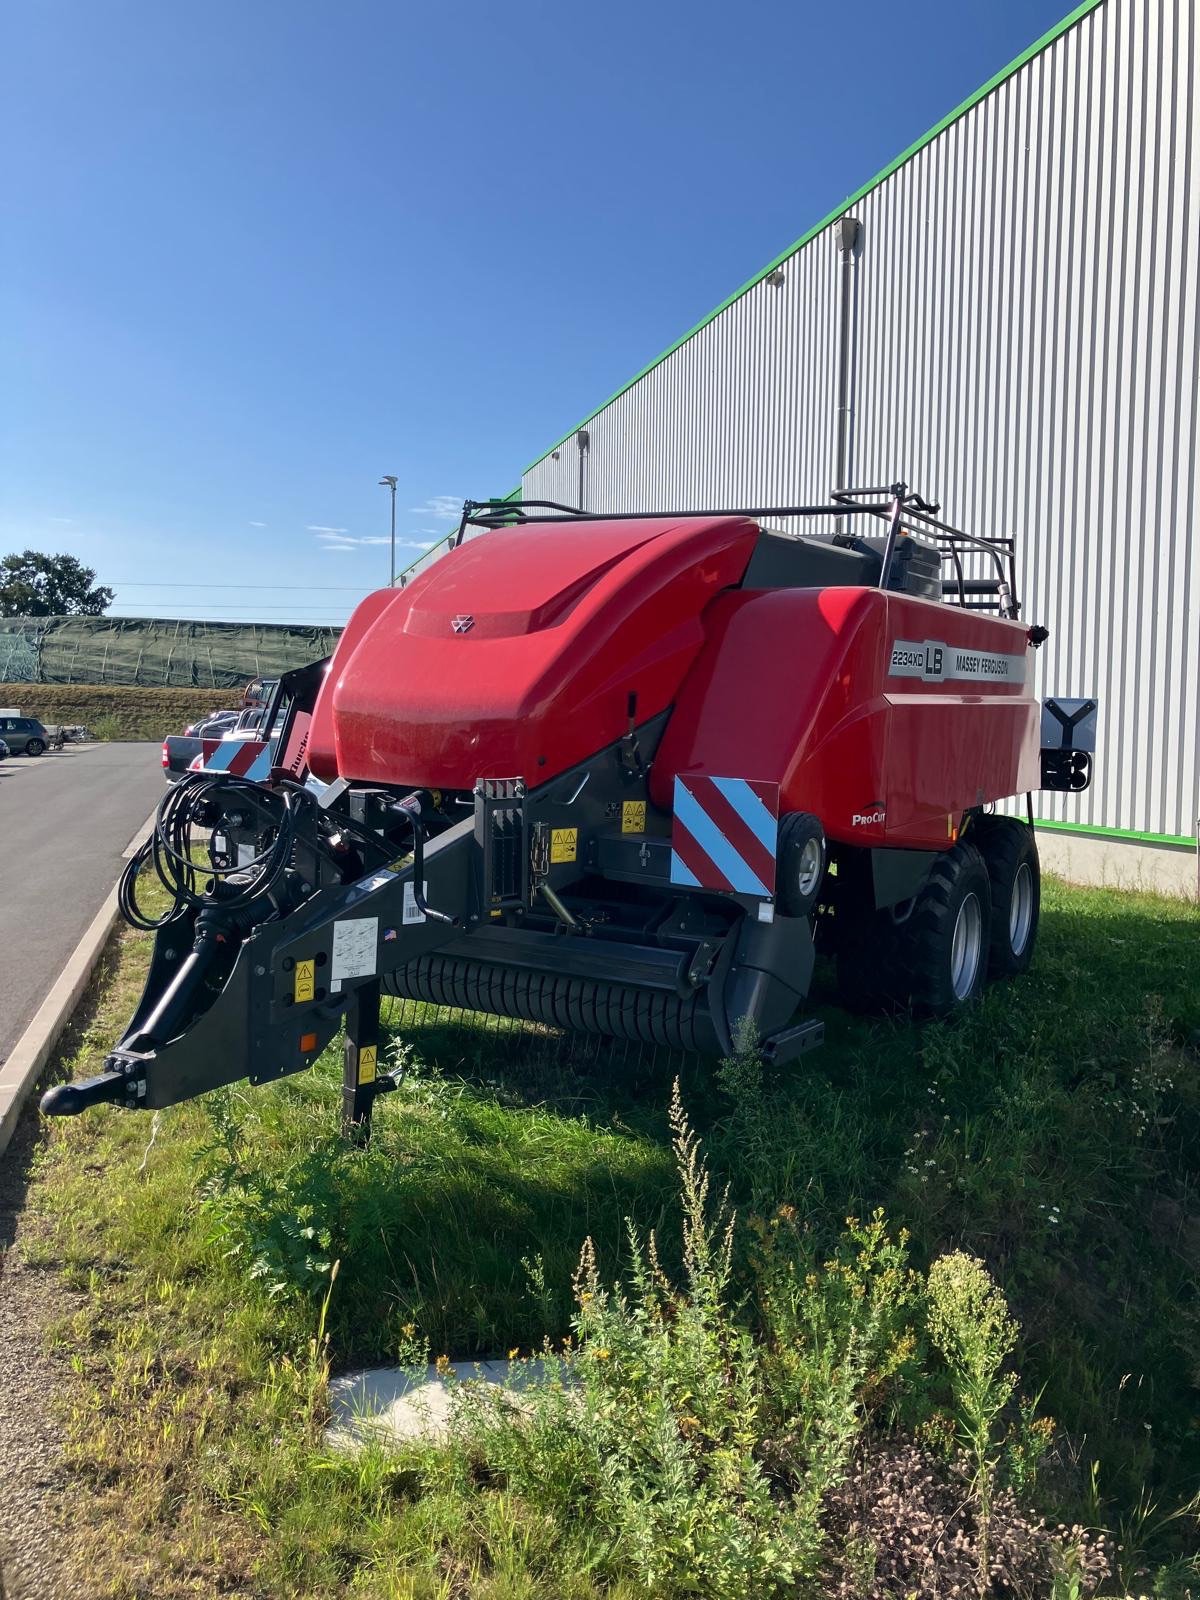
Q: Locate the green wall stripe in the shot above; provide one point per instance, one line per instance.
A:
(1047, 39)
(1096, 832)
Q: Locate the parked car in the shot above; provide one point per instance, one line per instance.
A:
(4, 751)
(180, 750)
(24, 735)
(212, 725)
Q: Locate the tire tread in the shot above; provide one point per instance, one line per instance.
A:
(1004, 843)
(924, 971)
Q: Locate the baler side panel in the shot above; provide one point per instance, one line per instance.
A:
(959, 743)
(795, 687)
(784, 672)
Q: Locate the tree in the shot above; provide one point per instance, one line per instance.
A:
(37, 585)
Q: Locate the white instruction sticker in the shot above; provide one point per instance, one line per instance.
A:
(355, 950)
(245, 854)
(411, 912)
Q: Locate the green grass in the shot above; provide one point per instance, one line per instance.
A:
(1053, 1134)
(113, 711)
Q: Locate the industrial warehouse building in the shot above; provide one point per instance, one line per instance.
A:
(1006, 318)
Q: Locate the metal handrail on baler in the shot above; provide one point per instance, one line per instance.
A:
(901, 505)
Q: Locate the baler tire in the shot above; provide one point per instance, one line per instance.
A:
(1010, 854)
(802, 859)
(928, 940)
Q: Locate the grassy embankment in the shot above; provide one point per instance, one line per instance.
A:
(114, 711)
(779, 1423)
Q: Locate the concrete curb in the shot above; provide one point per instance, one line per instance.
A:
(139, 838)
(32, 1050)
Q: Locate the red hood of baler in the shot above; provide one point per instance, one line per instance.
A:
(514, 655)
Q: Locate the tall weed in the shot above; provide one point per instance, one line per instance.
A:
(706, 1459)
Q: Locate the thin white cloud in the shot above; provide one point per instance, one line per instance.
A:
(343, 541)
(258, 524)
(316, 527)
(65, 520)
(444, 507)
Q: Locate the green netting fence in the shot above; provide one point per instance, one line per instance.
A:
(154, 651)
(19, 643)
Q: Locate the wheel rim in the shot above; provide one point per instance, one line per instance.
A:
(966, 947)
(808, 874)
(1020, 909)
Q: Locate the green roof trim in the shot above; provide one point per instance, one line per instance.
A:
(1047, 39)
(1094, 831)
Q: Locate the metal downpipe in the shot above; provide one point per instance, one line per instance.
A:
(849, 233)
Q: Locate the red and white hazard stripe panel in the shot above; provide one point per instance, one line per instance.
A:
(241, 758)
(725, 834)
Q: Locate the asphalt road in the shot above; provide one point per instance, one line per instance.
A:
(65, 820)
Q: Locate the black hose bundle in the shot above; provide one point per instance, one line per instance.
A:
(170, 848)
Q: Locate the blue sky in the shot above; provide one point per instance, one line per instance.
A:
(255, 253)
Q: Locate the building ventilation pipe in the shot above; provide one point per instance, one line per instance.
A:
(849, 236)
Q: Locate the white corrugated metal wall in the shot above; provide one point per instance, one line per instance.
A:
(741, 411)
(1027, 351)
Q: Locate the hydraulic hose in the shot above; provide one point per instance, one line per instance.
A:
(170, 849)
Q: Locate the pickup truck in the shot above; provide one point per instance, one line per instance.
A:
(179, 750)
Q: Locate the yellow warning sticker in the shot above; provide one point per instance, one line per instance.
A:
(633, 816)
(306, 981)
(366, 1063)
(563, 845)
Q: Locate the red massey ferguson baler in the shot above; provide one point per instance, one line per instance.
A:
(617, 774)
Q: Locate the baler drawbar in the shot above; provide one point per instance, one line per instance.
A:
(621, 774)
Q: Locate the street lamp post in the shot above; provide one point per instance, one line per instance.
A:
(388, 481)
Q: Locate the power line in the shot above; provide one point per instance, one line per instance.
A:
(266, 610)
(325, 588)
(236, 605)
(315, 619)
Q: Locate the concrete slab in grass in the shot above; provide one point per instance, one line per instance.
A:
(389, 1405)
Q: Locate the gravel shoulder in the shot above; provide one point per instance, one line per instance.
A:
(33, 1478)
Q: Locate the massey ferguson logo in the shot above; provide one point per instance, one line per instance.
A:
(871, 818)
(462, 623)
(934, 661)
